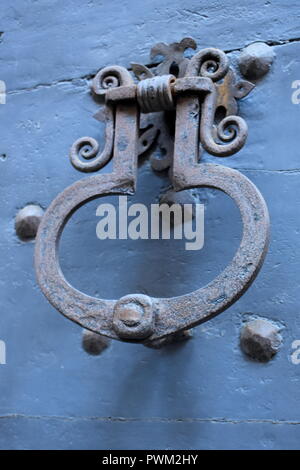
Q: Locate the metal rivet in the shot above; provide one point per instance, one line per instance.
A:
(93, 343)
(27, 221)
(133, 317)
(256, 60)
(131, 314)
(260, 339)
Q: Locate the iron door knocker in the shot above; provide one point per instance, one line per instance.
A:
(195, 88)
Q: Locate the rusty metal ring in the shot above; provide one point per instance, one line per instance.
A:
(166, 315)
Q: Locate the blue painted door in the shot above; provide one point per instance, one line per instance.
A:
(202, 394)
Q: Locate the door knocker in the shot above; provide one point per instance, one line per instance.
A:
(194, 90)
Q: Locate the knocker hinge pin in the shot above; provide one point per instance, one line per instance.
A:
(158, 93)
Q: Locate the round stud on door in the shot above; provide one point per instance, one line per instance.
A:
(93, 343)
(27, 221)
(256, 60)
(260, 339)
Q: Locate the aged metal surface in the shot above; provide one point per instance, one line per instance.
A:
(27, 221)
(155, 94)
(260, 339)
(256, 60)
(197, 95)
(133, 317)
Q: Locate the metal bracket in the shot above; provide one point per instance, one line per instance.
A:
(201, 92)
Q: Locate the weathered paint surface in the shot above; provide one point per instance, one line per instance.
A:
(201, 394)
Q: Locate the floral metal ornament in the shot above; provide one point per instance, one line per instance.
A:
(156, 128)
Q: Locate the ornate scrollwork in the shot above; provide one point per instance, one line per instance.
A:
(173, 60)
(222, 132)
(111, 77)
(219, 137)
(84, 153)
(211, 63)
(230, 90)
(154, 129)
(232, 132)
